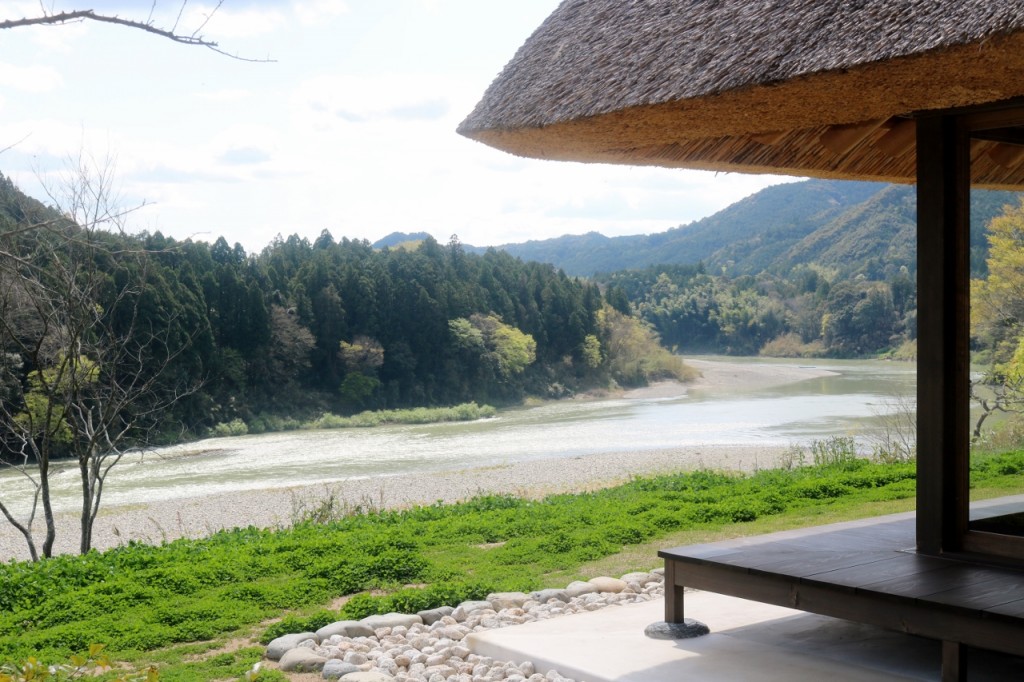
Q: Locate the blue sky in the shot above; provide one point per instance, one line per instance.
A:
(351, 128)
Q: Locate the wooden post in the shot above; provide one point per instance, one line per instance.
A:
(673, 595)
(954, 662)
(675, 625)
(943, 239)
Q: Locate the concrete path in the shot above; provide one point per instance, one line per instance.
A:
(748, 641)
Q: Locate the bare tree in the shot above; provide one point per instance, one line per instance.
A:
(174, 33)
(84, 361)
(996, 392)
(895, 439)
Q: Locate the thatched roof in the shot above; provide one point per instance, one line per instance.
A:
(810, 87)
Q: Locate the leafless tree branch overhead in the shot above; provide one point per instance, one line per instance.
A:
(73, 16)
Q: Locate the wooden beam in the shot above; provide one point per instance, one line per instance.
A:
(769, 139)
(1008, 156)
(841, 139)
(943, 239)
(900, 138)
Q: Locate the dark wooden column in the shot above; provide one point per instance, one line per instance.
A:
(943, 305)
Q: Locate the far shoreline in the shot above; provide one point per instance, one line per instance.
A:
(276, 507)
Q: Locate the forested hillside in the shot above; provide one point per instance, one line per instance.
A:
(813, 268)
(852, 227)
(295, 330)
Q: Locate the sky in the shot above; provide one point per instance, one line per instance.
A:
(351, 127)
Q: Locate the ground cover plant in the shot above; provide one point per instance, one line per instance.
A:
(174, 605)
(368, 418)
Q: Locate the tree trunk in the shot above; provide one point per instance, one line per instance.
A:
(87, 498)
(51, 526)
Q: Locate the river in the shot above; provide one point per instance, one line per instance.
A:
(748, 402)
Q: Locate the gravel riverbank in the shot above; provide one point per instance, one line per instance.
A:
(200, 516)
(271, 507)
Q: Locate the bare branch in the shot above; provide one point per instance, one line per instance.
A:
(74, 16)
(91, 371)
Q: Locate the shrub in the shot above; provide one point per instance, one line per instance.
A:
(792, 346)
(290, 624)
(417, 415)
(836, 451)
(822, 489)
(235, 427)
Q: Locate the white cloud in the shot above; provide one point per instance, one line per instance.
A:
(328, 101)
(311, 12)
(226, 23)
(29, 78)
(233, 95)
(353, 129)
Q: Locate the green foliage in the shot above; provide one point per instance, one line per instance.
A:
(852, 228)
(997, 301)
(499, 350)
(91, 666)
(997, 304)
(791, 345)
(836, 451)
(44, 414)
(418, 415)
(592, 351)
(142, 598)
(236, 427)
(411, 600)
(812, 269)
(290, 624)
(357, 389)
(302, 329)
(633, 353)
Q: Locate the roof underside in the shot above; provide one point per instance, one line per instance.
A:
(826, 88)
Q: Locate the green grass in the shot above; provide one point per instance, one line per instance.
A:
(176, 605)
(369, 418)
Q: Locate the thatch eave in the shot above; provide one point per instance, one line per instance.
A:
(774, 125)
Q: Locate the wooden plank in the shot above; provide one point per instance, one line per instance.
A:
(904, 615)
(896, 565)
(871, 536)
(850, 571)
(812, 563)
(920, 585)
(699, 552)
(998, 589)
(1012, 609)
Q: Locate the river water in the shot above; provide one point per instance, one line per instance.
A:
(848, 401)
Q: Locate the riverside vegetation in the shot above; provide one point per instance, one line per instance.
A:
(365, 419)
(175, 606)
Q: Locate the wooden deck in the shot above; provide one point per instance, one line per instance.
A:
(866, 571)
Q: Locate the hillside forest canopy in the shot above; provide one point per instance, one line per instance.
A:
(271, 339)
(836, 277)
(302, 328)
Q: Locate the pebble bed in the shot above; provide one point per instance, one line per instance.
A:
(435, 645)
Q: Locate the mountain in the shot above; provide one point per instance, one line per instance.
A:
(396, 238)
(852, 227)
